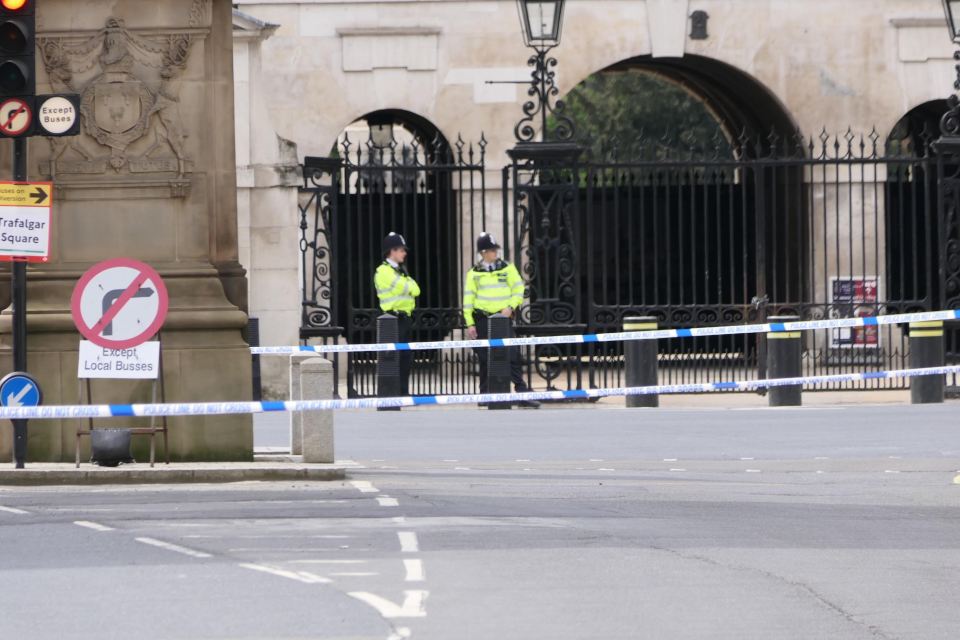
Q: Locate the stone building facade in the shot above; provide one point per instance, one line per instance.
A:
(460, 65)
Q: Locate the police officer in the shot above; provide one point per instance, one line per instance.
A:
(397, 293)
(493, 286)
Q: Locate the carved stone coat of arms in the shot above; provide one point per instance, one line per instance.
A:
(130, 103)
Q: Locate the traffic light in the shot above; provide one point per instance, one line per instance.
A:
(17, 61)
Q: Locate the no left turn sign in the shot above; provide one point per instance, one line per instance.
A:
(119, 304)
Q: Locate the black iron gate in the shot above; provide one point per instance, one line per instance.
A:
(755, 227)
(433, 194)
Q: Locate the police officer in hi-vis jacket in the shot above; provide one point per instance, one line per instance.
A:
(397, 293)
(493, 286)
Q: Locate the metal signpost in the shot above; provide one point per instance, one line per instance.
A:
(19, 120)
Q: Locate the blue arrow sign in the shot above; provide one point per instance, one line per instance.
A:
(19, 390)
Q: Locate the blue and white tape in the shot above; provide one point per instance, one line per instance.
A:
(65, 412)
(660, 334)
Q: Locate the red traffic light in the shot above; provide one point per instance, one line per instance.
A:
(14, 5)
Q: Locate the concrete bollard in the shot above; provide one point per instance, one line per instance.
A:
(784, 360)
(640, 361)
(926, 350)
(498, 360)
(389, 384)
(316, 383)
(296, 417)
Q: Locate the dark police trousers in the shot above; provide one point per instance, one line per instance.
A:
(516, 368)
(404, 324)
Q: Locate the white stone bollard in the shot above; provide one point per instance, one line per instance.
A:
(296, 417)
(316, 383)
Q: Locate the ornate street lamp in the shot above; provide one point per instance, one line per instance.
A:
(952, 9)
(542, 22)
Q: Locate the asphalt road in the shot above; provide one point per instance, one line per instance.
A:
(573, 523)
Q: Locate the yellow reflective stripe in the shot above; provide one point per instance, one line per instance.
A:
(783, 335)
(927, 333)
(392, 298)
(640, 326)
(931, 324)
(493, 298)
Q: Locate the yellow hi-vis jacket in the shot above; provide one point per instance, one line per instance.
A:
(396, 290)
(491, 291)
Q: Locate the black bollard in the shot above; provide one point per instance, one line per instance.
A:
(784, 354)
(389, 384)
(640, 361)
(498, 360)
(926, 350)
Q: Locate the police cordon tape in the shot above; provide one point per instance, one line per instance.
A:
(659, 334)
(62, 412)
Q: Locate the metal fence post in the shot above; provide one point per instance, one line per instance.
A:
(640, 361)
(389, 384)
(926, 350)
(784, 360)
(498, 360)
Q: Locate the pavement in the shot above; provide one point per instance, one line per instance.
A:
(141, 473)
(573, 523)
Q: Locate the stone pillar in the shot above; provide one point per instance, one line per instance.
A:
(316, 383)
(153, 177)
(268, 180)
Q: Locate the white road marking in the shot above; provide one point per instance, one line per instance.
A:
(387, 501)
(364, 486)
(408, 542)
(602, 469)
(19, 512)
(451, 460)
(677, 469)
(753, 470)
(595, 460)
(528, 469)
(461, 468)
(414, 570)
(745, 459)
(669, 459)
(327, 561)
(412, 606)
(522, 460)
(96, 526)
(821, 458)
(400, 633)
(378, 460)
(891, 471)
(299, 576)
(389, 467)
(174, 547)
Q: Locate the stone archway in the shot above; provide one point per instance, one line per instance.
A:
(702, 196)
(913, 245)
(390, 170)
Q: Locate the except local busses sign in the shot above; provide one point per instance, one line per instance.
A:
(25, 220)
(119, 303)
